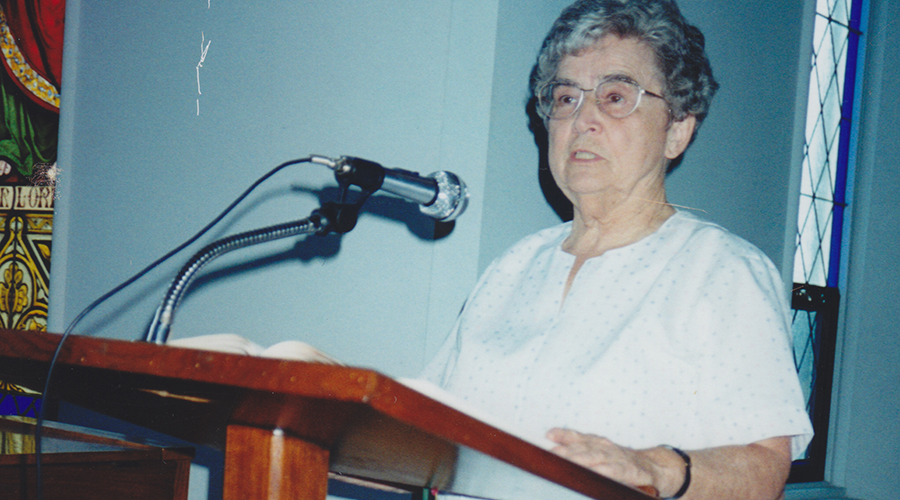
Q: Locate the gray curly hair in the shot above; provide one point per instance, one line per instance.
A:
(679, 47)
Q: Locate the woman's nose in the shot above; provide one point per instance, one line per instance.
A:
(588, 116)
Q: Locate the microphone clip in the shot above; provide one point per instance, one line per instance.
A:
(365, 174)
(334, 217)
(341, 217)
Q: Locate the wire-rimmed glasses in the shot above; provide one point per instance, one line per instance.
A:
(618, 97)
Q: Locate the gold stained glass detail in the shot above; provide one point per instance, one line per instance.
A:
(26, 227)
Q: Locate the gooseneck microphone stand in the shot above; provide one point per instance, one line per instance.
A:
(330, 217)
(441, 195)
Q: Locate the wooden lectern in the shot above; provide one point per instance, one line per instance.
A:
(283, 424)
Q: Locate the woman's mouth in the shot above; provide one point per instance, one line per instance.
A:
(584, 155)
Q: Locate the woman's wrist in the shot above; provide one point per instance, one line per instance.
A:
(686, 482)
(672, 477)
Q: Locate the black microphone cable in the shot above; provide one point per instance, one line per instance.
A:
(41, 413)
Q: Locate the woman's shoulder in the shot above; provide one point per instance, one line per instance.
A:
(718, 263)
(713, 240)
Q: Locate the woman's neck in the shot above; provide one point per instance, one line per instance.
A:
(596, 230)
(593, 236)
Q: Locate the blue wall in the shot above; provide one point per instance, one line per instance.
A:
(408, 86)
(437, 85)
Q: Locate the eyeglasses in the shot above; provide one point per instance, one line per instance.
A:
(617, 97)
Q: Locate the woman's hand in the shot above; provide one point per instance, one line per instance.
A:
(757, 471)
(633, 467)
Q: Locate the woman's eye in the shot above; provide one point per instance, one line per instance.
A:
(565, 97)
(613, 98)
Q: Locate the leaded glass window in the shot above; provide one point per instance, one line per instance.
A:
(824, 168)
(821, 213)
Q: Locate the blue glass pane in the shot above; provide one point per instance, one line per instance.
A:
(8, 405)
(23, 406)
(28, 406)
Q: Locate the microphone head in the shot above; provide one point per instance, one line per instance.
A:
(451, 200)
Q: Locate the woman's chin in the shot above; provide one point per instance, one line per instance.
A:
(581, 187)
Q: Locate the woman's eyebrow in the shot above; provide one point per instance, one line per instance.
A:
(617, 77)
(566, 81)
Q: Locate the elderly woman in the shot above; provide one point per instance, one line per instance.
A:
(649, 345)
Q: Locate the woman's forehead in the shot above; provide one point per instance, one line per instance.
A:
(612, 56)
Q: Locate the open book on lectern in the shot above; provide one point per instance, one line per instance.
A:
(231, 343)
(295, 350)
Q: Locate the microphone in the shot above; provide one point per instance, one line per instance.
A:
(440, 195)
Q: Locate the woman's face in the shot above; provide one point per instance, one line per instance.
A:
(592, 154)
